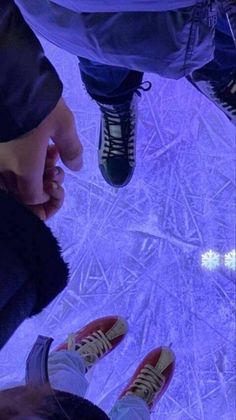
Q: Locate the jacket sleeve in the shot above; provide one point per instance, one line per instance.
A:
(29, 85)
(32, 269)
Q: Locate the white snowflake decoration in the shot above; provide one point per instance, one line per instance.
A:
(230, 260)
(210, 260)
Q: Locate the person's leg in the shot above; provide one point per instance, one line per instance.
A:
(217, 79)
(108, 84)
(146, 387)
(224, 63)
(130, 407)
(67, 371)
(113, 89)
(69, 363)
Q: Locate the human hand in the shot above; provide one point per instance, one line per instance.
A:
(52, 181)
(23, 160)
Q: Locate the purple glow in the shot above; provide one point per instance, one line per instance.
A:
(135, 252)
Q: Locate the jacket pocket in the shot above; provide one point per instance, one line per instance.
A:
(201, 42)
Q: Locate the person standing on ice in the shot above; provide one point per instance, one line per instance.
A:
(116, 41)
(55, 386)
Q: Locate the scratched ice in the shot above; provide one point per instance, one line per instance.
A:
(138, 252)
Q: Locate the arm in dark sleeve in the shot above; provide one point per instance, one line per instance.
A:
(32, 270)
(29, 85)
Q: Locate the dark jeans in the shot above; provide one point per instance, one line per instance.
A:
(116, 85)
(108, 84)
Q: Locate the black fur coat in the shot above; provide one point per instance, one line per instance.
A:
(32, 271)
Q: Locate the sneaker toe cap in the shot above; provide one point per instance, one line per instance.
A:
(117, 172)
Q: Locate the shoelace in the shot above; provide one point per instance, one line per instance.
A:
(125, 120)
(232, 87)
(144, 89)
(220, 96)
(92, 348)
(123, 145)
(149, 382)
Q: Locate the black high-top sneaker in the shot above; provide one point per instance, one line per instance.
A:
(116, 153)
(223, 96)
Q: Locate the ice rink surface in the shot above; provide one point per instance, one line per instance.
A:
(138, 252)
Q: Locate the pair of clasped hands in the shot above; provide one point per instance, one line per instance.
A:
(28, 169)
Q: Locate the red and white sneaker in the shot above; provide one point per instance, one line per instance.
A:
(152, 376)
(96, 339)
